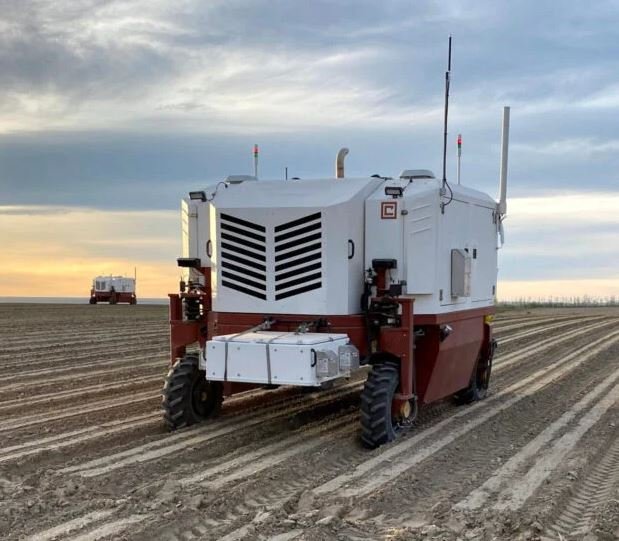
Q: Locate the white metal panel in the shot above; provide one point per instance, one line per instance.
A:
(420, 240)
(289, 356)
(384, 229)
(275, 194)
(188, 230)
(431, 235)
(121, 284)
(195, 233)
(454, 232)
(264, 262)
(421, 229)
(484, 255)
(245, 362)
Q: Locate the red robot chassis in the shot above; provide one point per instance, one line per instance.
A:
(417, 358)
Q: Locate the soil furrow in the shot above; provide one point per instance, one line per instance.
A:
(85, 454)
(577, 515)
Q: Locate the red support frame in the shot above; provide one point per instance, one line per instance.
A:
(113, 297)
(431, 367)
(445, 365)
(399, 341)
(184, 332)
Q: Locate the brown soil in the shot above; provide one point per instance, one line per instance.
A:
(84, 454)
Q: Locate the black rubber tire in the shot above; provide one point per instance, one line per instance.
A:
(92, 301)
(478, 386)
(188, 398)
(377, 423)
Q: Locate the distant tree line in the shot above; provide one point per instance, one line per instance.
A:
(559, 302)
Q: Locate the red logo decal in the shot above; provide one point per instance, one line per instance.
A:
(389, 210)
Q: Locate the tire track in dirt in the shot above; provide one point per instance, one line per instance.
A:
(514, 497)
(512, 470)
(242, 402)
(271, 454)
(175, 442)
(361, 457)
(381, 471)
(240, 520)
(474, 458)
(255, 499)
(537, 375)
(107, 530)
(70, 526)
(577, 515)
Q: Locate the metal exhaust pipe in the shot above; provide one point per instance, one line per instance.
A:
(502, 206)
(339, 162)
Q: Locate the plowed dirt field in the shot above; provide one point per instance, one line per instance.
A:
(84, 454)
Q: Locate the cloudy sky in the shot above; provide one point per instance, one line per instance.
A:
(111, 110)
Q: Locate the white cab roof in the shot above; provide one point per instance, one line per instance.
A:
(297, 193)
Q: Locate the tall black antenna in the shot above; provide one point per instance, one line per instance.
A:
(447, 78)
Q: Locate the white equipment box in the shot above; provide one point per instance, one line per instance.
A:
(119, 283)
(280, 358)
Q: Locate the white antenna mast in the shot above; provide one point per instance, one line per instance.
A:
(502, 207)
(447, 79)
(459, 154)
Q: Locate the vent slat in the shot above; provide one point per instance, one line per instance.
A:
(297, 251)
(237, 249)
(296, 272)
(298, 232)
(243, 261)
(298, 242)
(300, 251)
(300, 221)
(244, 223)
(243, 280)
(244, 242)
(293, 292)
(302, 280)
(239, 231)
(244, 290)
(246, 248)
(296, 262)
(231, 266)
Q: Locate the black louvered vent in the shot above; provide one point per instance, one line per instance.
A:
(298, 256)
(243, 256)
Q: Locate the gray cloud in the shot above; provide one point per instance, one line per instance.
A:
(155, 96)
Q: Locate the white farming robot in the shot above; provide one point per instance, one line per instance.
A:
(300, 282)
